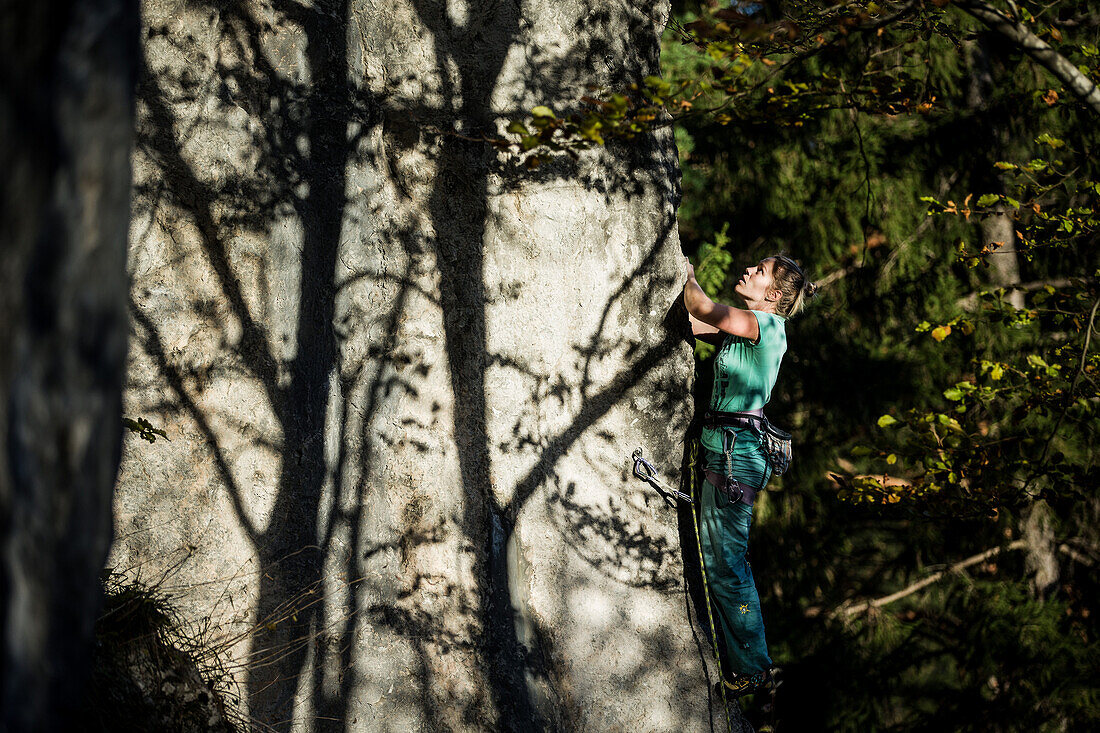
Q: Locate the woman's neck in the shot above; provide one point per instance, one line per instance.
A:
(764, 306)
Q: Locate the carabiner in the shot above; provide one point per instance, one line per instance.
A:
(645, 471)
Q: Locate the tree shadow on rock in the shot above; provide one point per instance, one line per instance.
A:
(280, 84)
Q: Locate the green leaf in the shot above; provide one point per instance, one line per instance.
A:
(590, 130)
(886, 421)
(953, 393)
(659, 86)
(542, 111)
(988, 199)
(516, 128)
(1047, 139)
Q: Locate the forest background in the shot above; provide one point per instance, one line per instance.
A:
(929, 562)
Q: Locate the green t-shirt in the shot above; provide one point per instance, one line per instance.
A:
(744, 372)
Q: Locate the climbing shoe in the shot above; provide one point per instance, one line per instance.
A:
(746, 684)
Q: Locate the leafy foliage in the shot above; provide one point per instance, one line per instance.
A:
(1011, 429)
(941, 407)
(714, 262)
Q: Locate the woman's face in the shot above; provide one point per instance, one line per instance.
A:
(756, 283)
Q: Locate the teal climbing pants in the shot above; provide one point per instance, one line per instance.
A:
(724, 540)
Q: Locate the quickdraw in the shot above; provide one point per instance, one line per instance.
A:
(644, 470)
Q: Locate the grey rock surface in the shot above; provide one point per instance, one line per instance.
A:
(402, 375)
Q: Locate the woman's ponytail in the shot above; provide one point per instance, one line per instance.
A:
(791, 282)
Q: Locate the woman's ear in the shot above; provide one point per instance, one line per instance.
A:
(774, 296)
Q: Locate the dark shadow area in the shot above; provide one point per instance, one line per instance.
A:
(66, 122)
(291, 543)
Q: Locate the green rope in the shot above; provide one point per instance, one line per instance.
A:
(694, 453)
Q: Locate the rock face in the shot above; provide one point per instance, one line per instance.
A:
(402, 375)
(66, 122)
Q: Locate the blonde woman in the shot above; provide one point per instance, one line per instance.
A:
(751, 342)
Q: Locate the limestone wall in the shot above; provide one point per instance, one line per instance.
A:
(401, 374)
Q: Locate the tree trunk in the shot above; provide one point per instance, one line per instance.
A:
(999, 235)
(402, 374)
(66, 123)
(998, 228)
(1042, 550)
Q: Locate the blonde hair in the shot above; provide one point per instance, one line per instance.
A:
(791, 282)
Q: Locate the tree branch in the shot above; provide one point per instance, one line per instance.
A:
(1075, 555)
(1057, 64)
(971, 300)
(850, 609)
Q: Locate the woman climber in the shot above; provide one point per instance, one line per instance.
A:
(737, 463)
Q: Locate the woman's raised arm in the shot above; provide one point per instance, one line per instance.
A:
(712, 317)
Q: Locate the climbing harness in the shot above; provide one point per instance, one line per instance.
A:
(644, 470)
(734, 490)
(776, 443)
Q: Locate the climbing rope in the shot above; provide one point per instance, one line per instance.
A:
(693, 455)
(645, 471)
